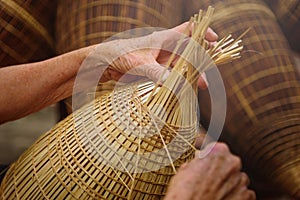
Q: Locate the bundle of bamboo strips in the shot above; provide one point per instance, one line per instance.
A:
(85, 22)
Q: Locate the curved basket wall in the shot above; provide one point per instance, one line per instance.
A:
(83, 23)
(288, 16)
(109, 149)
(263, 93)
(26, 30)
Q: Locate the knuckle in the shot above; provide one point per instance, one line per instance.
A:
(221, 147)
(236, 162)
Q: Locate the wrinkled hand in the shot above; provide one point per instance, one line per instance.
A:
(142, 56)
(216, 176)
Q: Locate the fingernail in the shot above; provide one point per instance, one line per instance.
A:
(215, 34)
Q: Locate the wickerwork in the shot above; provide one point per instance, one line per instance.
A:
(126, 144)
(288, 14)
(262, 123)
(83, 23)
(26, 31)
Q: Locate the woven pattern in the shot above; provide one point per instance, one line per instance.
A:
(61, 165)
(263, 93)
(82, 23)
(126, 144)
(288, 16)
(26, 30)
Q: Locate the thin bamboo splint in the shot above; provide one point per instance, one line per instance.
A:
(126, 144)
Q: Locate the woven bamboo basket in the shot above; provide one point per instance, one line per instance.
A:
(83, 23)
(123, 145)
(288, 16)
(26, 30)
(263, 93)
(61, 164)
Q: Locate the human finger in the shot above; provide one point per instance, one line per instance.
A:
(229, 185)
(182, 28)
(241, 191)
(202, 82)
(220, 169)
(153, 71)
(211, 36)
(202, 139)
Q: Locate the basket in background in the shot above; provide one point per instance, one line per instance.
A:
(83, 23)
(263, 93)
(26, 30)
(288, 17)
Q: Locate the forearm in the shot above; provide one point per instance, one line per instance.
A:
(28, 88)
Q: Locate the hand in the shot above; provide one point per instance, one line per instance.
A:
(216, 176)
(133, 57)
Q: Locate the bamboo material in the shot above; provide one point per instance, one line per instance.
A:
(288, 17)
(123, 145)
(263, 94)
(83, 23)
(26, 31)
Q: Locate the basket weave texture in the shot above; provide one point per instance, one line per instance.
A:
(126, 144)
(288, 16)
(83, 23)
(26, 30)
(263, 93)
(73, 161)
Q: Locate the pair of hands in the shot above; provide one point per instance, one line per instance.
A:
(145, 56)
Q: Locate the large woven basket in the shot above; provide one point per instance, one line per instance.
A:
(263, 93)
(288, 16)
(83, 23)
(120, 146)
(74, 161)
(26, 30)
